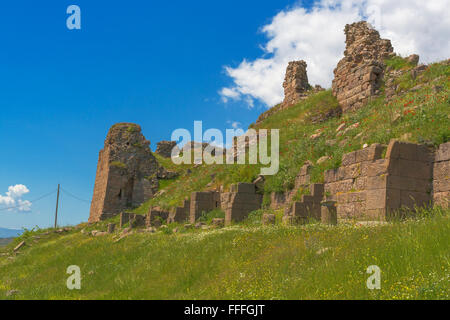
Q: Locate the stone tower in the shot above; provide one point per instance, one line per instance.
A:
(127, 172)
(295, 83)
(359, 74)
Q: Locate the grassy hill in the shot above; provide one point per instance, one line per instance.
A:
(250, 261)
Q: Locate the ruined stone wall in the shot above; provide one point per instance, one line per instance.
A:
(239, 202)
(367, 186)
(409, 176)
(358, 76)
(203, 202)
(355, 184)
(309, 205)
(180, 214)
(441, 176)
(126, 172)
(295, 83)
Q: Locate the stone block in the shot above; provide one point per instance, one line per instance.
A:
(377, 168)
(376, 199)
(409, 168)
(349, 158)
(243, 188)
(330, 175)
(441, 170)
(411, 199)
(443, 153)
(317, 190)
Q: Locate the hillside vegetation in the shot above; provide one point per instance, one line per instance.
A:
(251, 261)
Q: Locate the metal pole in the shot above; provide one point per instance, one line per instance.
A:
(56, 213)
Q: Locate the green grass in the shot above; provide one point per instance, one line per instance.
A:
(398, 62)
(246, 261)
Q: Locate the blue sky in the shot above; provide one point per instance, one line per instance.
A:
(162, 65)
(158, 64)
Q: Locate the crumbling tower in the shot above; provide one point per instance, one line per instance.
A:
(295, 83)
(127, 172)
(358, 76)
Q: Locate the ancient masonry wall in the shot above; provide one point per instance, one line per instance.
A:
(180, 214)
(368, 187)
(203, 202)
(156, 216)
(441, 176)
(239, 202)
(302, 181)
(309, 206)
(358, 76)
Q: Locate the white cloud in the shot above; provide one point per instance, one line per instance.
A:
(235, 124)
(12, 198)
(317, 36)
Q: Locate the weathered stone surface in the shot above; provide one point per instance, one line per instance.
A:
(179, 214)
(203, 202)
(126, 172)
(164, 148)
(441, 176)
(238, 203)
(329, 213)
(295, 83)
(359, 74)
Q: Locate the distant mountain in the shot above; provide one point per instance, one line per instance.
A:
(9, 233)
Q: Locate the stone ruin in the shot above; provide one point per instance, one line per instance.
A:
(127, 172)
(296, 88)
(203, 202)
(164, 148)
(369, 186)
(295, 83)
(240, 201)
(358, 76)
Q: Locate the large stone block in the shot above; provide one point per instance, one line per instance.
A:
(411, 199)
(409, 168)
(441, 170)
(443, 153)
(349, 158)
(409, 184)
(243, 188)
(376, 199)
